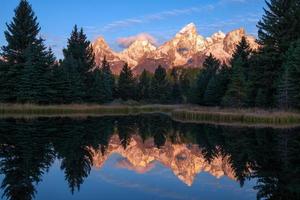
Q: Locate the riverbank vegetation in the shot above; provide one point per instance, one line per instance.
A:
(184, 113)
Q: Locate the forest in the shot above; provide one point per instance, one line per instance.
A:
(266, 78)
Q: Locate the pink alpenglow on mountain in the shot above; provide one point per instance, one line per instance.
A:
(185, 161)
(186, 49)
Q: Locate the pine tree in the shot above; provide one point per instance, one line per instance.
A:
(236, 94)
(60, 84)
(22, 44)
(210, 96)
(278, 28)
(217, 87)
(210, 67)
(108, 81)
(160, 87)
(126, 84)
(74, 88)
(243, 52)
(79, 62)
(187, 80)
(289, 87)
(284, 90)
(97, 89)
(279, 25)
(35, 80)
(143, 87)
(176, 93)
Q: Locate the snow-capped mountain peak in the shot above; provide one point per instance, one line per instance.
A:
(187, 49)
(190, 28)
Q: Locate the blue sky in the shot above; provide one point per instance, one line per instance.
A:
(114, 19)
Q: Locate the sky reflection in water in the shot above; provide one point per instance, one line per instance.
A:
(145, 157)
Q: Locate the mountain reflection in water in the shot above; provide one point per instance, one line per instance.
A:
(29, 148)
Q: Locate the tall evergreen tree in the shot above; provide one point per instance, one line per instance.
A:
(143, 87)
(242, 52)
(23, 49)
(160, 87)
(210, 67)
(176, 93)
(126, 84)
(217, 87)
(78, 63)
(108, 81)
(35, 84)
(280, 24)
(60, 85)
(97, 89)
(74, 88)
(236, 93)
(289, 87)
(279, 27)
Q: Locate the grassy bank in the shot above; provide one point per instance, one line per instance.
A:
(184, 113)
(73, 110)
(237, 117)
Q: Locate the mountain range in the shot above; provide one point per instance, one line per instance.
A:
(185, 160)
(186, 49)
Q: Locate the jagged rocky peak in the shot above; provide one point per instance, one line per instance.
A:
(100, 43)
(234, 37)
(186, 49)
(218, 36)
(138, 48)
(188, 29)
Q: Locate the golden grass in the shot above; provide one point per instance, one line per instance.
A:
(80, 109)
(183, 113)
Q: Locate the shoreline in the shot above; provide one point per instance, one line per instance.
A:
(181, 113)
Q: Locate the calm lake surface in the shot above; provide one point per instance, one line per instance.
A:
(145, 157)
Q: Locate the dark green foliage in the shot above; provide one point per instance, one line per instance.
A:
(210, 67)
(236, 95)
(108, 82)
(74, 86)
(176, 93)
(35, 81)
(279, 27)
(126, 84)
(160, 86)
(78, 64)
(27, 62)
(59, 85)
(4, 82)
(217, 87)
(239, 85)
(97, 89)
(143, 86)
(289, 87)
(280, 24)
(187, 80)
(242, 53)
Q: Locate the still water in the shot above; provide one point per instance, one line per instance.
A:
(145, 157)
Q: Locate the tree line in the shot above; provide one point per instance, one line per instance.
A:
(267, 77)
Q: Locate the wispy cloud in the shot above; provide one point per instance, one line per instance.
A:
(154, 17)
(248, 18)
(125, 42)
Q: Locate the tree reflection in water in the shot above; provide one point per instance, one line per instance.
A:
(28, 148)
